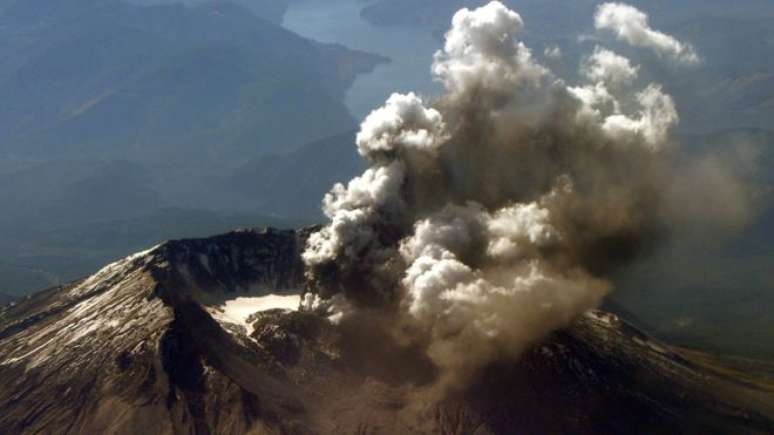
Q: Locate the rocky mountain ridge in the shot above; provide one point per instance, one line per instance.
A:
(143, 346)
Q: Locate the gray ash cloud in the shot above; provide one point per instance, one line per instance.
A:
(497, 213)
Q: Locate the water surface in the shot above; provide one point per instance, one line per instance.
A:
(411, 50)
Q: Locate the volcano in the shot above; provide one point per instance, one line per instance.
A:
(203, 336)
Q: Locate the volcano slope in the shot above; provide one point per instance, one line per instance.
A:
(145, 346)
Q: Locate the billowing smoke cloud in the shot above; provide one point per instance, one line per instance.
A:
(497, 213)
(631, 25)
(604, 66)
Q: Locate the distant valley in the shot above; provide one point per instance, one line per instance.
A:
(137, 111)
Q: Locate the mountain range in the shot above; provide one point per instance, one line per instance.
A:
(125, 123)
(181, 339)
(119, 111)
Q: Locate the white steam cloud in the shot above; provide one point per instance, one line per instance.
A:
(480, 49)
(496, 214)
(607, 67)
(631, 25)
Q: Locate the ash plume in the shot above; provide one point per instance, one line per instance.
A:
(498, 213)
(631, 25)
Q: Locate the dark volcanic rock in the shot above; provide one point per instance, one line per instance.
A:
(141, 347)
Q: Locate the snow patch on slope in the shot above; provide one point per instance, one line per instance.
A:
(237, 311)
(106, 306)
(110, 273)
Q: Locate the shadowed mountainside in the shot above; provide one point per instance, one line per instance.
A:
(140, 345)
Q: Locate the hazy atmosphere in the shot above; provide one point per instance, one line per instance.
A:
(471, 177)
(129, 124)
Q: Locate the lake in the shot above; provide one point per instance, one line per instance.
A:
(410, 50)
